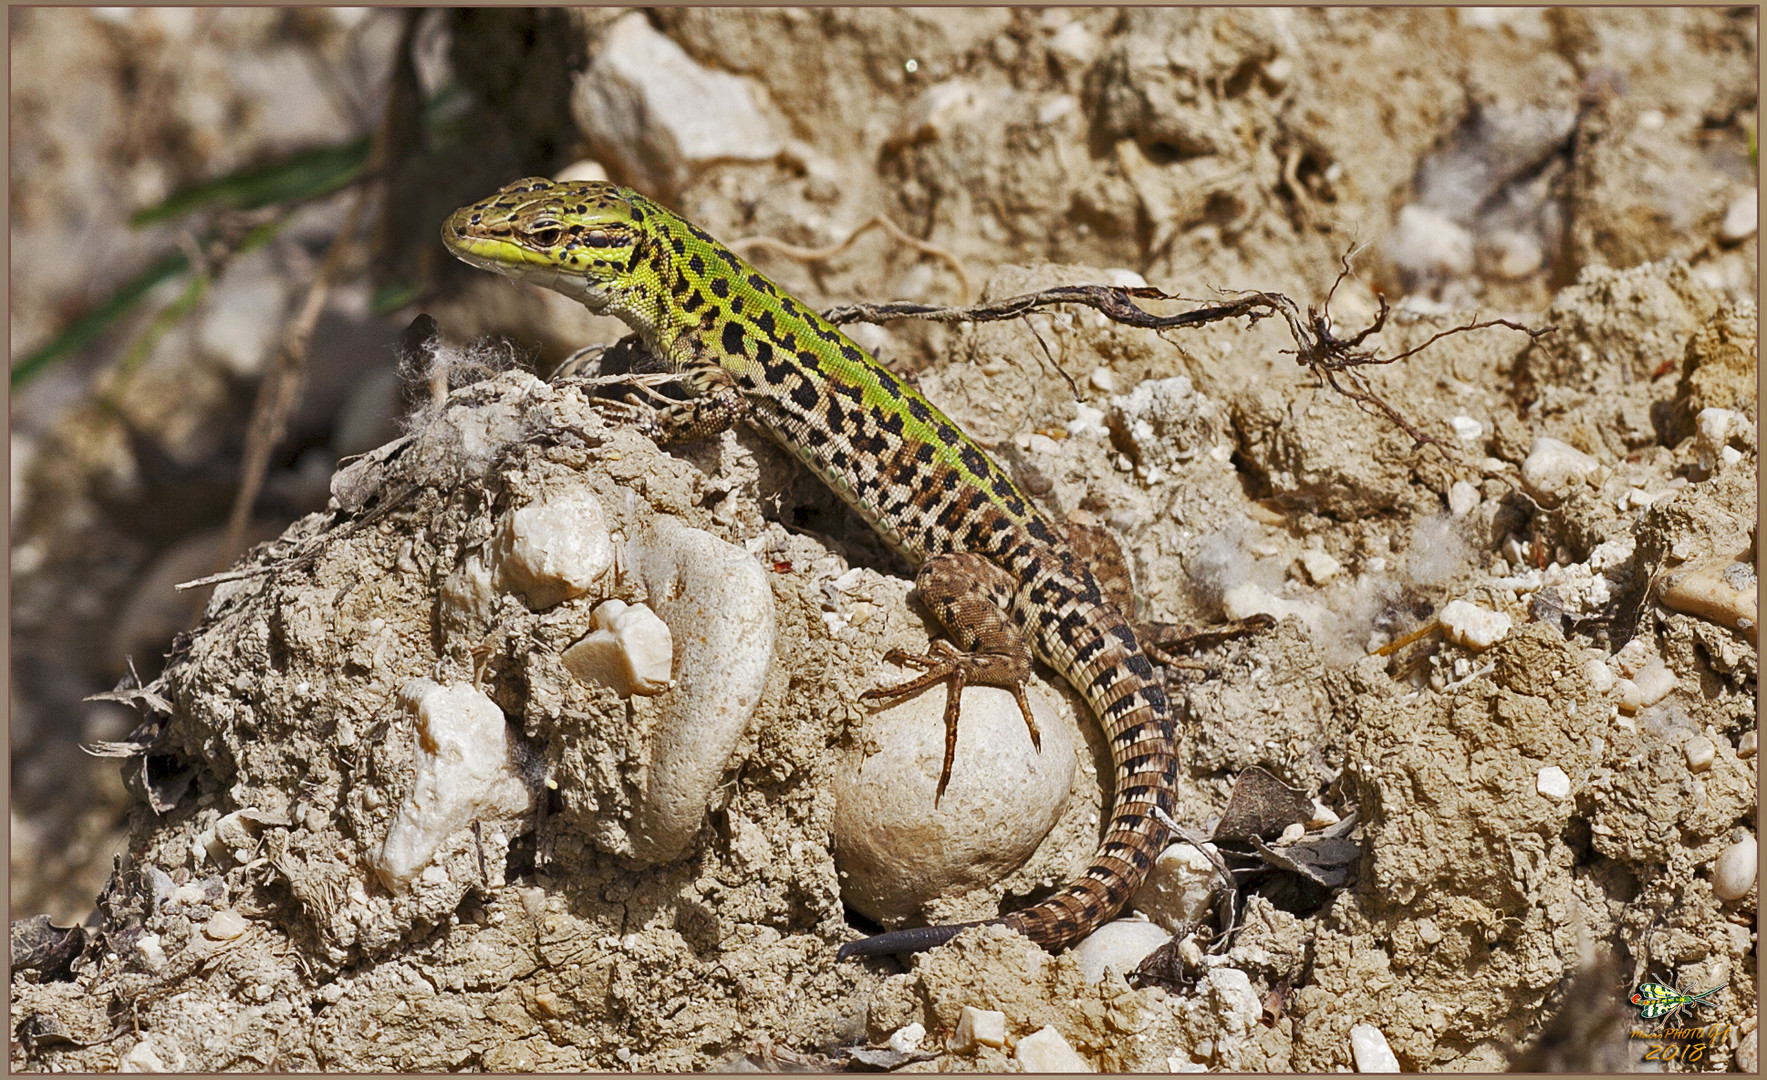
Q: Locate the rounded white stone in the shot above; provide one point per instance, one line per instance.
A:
(1733, 875)
(1119, 945)
(552, 549)
(1630, 699)
(1742, 218)
(1553, 468)
(1369, 1047)
(1463, 498)
(1180, 888)
(1553, 783)
(1470, 625)
(895, 849)
(629, 649)
(1045, 1051)
(1654, 681)
(1426, 241)
(1466, 429)
(1745, 746)
(980, 1027)
(1600, 676)
(1700, 753)
(1103, 380)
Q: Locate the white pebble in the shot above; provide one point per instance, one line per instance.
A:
(1119, 945)
(1700, 753)
(552, 549)
(151, 953)
(1319, 566)
(1711, 427)
(1553, 468)
(1466, 429)
(1369, 1047)
(1634, 655)
(463, 773)
(224, 925)
(1180, 888)
(1470, 625)
(905, 1039)
(1553, 783)
(629, 649)
(1463, 498)
(1729, 455)
(1103, 379)
(1733, 875)
(1518, 254)
(1743, 217)
(1120, 277)
(1745, 746)
(1427, 242)
(1630, 697)
(1654, 681)
(1323, 816)
(979, 1027)
(1292, 833)
(1601, 677)
(1045, 1051)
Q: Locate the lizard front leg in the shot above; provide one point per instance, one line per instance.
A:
(968, 594)
(715, 402)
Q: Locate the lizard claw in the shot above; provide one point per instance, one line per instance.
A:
(944, 663)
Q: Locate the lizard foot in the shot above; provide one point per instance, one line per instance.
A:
(944, 663)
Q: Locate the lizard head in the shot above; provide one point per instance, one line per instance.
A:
(581, 238)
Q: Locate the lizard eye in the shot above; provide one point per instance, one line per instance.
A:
(544, 233)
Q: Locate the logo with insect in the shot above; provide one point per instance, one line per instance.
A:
(1659, 1000)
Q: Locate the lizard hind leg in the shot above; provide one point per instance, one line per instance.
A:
(968, 594)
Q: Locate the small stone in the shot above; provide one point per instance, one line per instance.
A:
(150, 951)
(1463, 498)
(1319, 566)
(1733, 875)
(1292, 833)
(1369, 1047)
(141, 1058)
(1103, 380)
(1466, 429)
(1654, 681)
(1474, 627)
(628, 649)
(1553, 469)
(1745, 746)
(1428, 243)
(1711, 427)
(1120, 946)
(1634, 655)
(1700, 753)
(552, 549)
(1519, 254)
(979, 1027)
(1428, 932)
(1600, 676)
(1630, 697)
(906, 1039)
(1747, 1050)
(1045, 1051)
(224, 925)
(1553, 783)
(1742, 218)
(1180, 888)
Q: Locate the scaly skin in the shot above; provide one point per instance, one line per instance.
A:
(998, 573)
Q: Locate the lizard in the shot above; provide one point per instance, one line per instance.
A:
(1003, 579)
